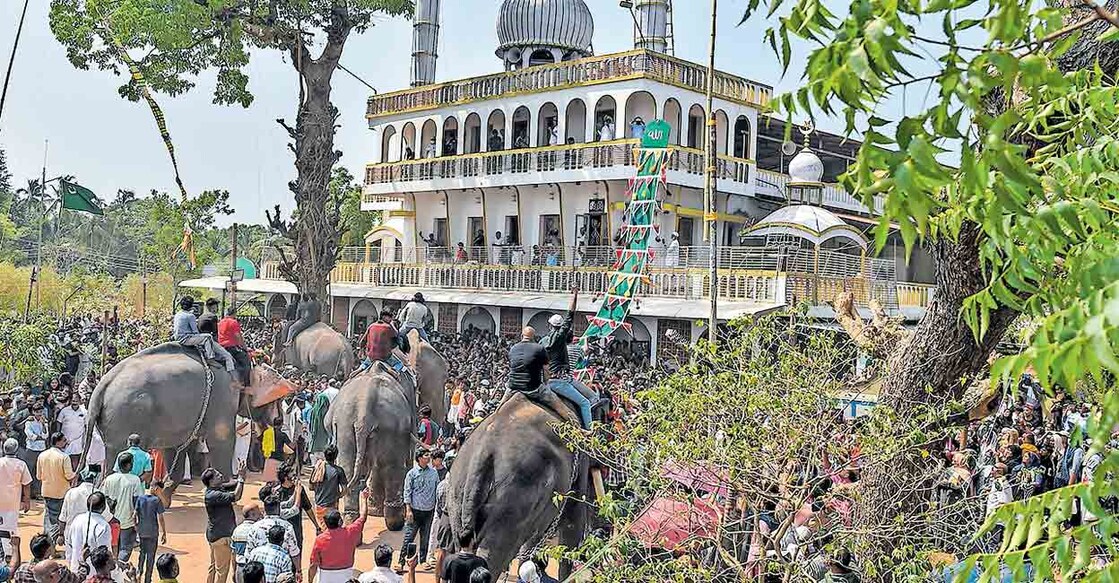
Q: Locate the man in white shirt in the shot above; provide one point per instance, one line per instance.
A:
(88, 530)
(15, 488)
(382, 571)
(76, 501)
(72, 421)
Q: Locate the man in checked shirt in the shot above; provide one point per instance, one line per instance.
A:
(419, 505)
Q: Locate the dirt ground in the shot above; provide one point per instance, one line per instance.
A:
(186, 527)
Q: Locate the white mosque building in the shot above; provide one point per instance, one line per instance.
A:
(498, 193)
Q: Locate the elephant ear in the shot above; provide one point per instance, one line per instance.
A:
(267, 386)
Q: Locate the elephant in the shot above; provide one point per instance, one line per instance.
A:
(159, 394)
(373, 420)
(505, 476)
(319, 349)
(431, 374)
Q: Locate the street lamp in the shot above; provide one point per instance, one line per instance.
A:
(636, 25)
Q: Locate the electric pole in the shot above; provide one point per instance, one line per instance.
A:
(711, 183)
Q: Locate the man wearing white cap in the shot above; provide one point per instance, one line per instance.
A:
(672, 251)
(559, 365)
(15, 488)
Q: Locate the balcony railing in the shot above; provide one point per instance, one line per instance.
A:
(834, 195)
(747, 273)
(592, 156)
(639, 64)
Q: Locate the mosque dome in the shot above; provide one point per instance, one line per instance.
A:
(806, 167)
(562, 28)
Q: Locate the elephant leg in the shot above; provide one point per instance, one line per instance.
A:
(221, 456)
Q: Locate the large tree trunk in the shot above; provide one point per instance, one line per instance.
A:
(315, 228)
(939, 360)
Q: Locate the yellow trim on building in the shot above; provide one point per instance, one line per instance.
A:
(761, 93)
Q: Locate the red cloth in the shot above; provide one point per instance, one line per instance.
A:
(229, 330)
(334, 548)
(379, 341)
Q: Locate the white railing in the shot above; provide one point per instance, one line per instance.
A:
(833, 195)
(747, 273)
(592, 156)
(638, 64)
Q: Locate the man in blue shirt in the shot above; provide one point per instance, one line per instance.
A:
(185, 323)
(420, 486)
(141, 460)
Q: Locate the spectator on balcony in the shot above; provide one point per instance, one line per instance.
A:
(672, 251)
(517, 256)
(553, 134)
(606, 130)
(637, 128)
(450, 145)
(496, 143)
(431, 149)
(479, 245)
(409, 153)
(460, 253)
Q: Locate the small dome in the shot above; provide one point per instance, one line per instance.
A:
(564, 24)
(806, 167)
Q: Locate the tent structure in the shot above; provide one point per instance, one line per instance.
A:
(812, 223)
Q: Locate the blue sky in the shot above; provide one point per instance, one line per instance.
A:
(109, 143)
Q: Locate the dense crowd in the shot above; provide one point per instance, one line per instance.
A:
(43, 428)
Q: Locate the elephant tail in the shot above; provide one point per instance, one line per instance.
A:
(360, 439)
(93, 415)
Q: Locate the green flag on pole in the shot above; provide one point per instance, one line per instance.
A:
(76, 197)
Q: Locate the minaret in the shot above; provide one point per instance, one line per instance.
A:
(425, 42)
(654, 25)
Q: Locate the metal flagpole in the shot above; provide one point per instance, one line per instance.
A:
(710, 184)
(39, 251)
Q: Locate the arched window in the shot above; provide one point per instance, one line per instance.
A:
(388, 144)
(472, 134)
(605, 119)
(546, 119)
(721, 127)
(450, 140)
(429, 143)
(521, 124)
(495, 131)
(742, 137)
(541, 57)
(408, 142)
(576, 121)
(639, 106)
(672, 115)
(696, 123)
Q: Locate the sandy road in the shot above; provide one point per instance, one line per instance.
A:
(186, 527)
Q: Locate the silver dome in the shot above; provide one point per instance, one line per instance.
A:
(564, 24)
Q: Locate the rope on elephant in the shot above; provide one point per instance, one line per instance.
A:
(201, 416)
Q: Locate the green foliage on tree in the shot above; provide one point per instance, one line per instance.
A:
(20, 359)
(172, 42)
(1027, 222)
(7, 197)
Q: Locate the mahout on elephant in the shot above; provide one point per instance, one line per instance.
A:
(174, 397)
(374, 421)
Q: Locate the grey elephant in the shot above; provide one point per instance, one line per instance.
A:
(159, 393)
(374, 421)
(506, 475)
(319, 349)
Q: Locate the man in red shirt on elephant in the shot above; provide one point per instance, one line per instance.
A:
(231, 339)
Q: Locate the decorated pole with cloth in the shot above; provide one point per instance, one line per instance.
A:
(636, 235)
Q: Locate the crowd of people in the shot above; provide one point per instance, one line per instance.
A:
(43, 428)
